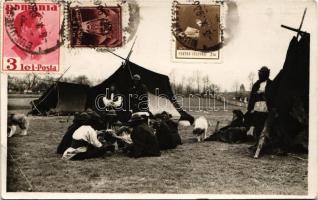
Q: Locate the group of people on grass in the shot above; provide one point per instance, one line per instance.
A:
(146, 135)
(136, 138)
(92, 135)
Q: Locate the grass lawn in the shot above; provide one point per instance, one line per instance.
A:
(208, 167)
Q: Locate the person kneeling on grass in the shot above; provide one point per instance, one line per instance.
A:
(144, 141)
(235, 132)
(89, 143)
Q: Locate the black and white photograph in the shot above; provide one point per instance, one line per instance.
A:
(181, 99)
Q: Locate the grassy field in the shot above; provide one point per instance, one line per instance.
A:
(208, 167)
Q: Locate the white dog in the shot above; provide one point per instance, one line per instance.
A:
(15, 120)
(200, 128)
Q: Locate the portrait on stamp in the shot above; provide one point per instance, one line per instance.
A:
(95, 26)
(31, 37)
(197, 30)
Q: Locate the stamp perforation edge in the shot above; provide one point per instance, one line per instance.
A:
(60, 7)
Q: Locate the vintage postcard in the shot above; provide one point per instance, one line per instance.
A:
(31, 36)
(136, 99)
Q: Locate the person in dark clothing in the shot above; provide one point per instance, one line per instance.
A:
(139, 95)
(173, 127)
(262, 99)
(256, 120)
(144, 142)
(166, 135)
(232, 133)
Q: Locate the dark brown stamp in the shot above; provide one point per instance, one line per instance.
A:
(197, 30)
(96, 26)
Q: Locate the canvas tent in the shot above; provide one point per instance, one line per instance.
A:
(161, 97)
(61, 98)
(291, 98)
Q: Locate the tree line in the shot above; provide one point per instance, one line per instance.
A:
(33, 83)
(199, 83)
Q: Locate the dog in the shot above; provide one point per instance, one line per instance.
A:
(200, 128)
(15, 120)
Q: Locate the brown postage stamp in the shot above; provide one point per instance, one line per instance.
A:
(95, 26)
(31, 36)
(197, 30)
(100, 24)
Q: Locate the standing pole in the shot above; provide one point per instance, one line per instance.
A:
(63, 74)
(301, 23)
(128, 56)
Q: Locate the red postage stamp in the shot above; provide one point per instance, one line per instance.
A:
(96, 26)
(31, 37)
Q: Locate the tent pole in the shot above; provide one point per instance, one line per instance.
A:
(301, 23)
(63, 74)
(128, 56)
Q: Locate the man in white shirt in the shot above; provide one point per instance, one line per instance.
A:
(87, 143)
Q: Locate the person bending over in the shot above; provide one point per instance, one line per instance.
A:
(88, 143)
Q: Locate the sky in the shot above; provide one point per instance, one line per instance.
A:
(256, 40)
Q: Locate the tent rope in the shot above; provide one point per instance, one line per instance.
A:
(46, 96)
(128, 56)
(31, 187)
(34, 106)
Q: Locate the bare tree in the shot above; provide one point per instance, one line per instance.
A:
(251, 78)
(82, 79)
(172, 77)
(31, 80)
(189, 88)
(197, 78)
(242, 88)
(183, 80)
(214, 88)
(206, 83)
(236, 86)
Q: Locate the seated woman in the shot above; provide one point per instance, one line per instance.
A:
(88, 143)
(173, 126)
(144, 142)
(232, 133)
(167, 136)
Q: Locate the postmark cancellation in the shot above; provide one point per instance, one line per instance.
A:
(197, 30)
(31, 36)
